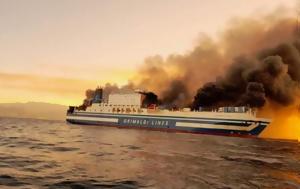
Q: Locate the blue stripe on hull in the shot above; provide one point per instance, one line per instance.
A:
(233, 122)
(146, 116)
(170, 125)
(252, 133)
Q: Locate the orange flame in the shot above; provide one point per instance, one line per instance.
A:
(285, 122)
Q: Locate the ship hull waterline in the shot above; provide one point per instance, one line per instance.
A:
(210, 126)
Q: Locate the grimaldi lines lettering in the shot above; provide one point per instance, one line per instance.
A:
(145, 122)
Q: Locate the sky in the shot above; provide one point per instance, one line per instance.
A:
(53, 50)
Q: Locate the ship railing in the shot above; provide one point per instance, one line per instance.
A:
(227, 109)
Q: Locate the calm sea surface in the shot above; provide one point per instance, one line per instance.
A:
(53, 154)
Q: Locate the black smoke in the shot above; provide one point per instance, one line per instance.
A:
(175, 95)
(272, 74)
(254, 60)
(150, 98)
(177, 77)
(89, 96)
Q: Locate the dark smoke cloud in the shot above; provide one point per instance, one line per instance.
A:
(254, 59)
(250, 82)
(149, 99)
(254, 95)
(175, 94)
(89, 95)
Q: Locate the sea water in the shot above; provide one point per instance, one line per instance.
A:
(54, 154)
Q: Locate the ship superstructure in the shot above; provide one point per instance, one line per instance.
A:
(125, 110)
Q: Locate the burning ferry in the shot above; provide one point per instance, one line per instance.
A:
(126, 110)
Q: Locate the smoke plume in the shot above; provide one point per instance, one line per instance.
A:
(249, 81)
(254, 59)
(149, 99)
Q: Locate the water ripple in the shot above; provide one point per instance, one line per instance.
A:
(53, 154)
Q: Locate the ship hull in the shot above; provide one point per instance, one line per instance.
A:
(213, 126)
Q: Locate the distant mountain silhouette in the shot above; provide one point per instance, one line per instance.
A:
(38, 110)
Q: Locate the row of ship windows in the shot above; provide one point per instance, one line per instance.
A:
(111, 105)
(117, 110)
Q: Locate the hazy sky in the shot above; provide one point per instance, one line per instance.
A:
(52, 50)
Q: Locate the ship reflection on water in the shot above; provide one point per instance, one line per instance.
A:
(53, 154)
